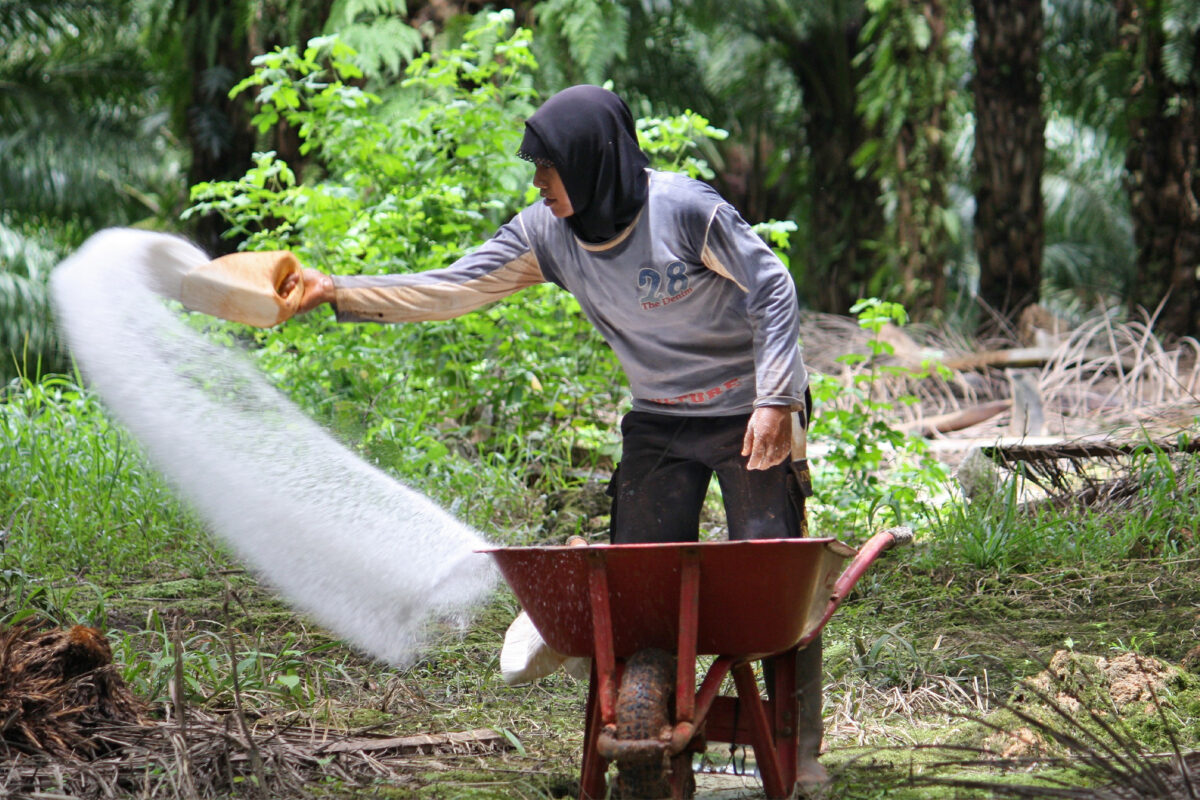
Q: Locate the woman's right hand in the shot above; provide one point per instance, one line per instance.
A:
(318, 289)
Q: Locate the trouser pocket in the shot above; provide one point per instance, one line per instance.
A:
(799, 489)
(800, 479)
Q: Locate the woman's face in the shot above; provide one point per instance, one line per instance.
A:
(554, 194)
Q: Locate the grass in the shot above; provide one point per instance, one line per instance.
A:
(924, 655)
(79, 495)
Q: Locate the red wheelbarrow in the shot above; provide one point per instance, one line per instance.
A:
(739, 601)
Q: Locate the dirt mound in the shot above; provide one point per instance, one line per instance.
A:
(1074, 678)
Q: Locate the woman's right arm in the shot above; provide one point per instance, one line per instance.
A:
(501, 266)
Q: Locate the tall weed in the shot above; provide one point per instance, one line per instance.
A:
(1153, 518)
(77, 497)
(870, 474)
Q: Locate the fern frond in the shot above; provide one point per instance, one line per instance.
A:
(379, 33)
(595, 33)
(383, 46)
(347, 12)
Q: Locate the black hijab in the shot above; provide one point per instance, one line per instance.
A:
(587, 134)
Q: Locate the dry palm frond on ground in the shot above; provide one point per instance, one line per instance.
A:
(1097, 374)
(212, 756)
(56, 686)
(1100, 383)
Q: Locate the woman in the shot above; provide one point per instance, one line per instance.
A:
(701, 314)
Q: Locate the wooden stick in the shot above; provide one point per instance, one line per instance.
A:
(479, 738)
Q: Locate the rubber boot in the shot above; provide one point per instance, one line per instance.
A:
(811, 777)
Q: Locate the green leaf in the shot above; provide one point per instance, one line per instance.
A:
(290, 680)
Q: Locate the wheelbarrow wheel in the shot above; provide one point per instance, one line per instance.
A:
(645, 706)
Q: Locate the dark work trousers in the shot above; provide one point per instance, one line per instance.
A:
(666, 464)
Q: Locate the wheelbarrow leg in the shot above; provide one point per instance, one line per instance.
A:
(775, 767)
(592, 785)
(779, 674)
(602, 689)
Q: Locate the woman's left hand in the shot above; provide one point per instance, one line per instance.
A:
(768, 437)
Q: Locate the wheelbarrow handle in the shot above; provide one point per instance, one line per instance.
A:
(875, 546)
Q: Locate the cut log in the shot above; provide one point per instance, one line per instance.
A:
(1020, 357)
(1016, 357)
(956, 420)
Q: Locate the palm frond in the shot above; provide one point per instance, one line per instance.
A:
(28, 338)
(1085, 76)
(76, 101)
(1090, 248)
(1181, 24)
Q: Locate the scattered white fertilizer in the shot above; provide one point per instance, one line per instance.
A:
(366, 556)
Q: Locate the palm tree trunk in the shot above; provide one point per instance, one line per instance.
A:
(921, 168)
(219, 134)
(1162, 167)
(845, 212)
(1009, 153)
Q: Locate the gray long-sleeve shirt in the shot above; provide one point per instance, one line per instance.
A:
(701, 314)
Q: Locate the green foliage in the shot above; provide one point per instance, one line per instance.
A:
(778, 234)
(414, 176)
(889, 658)
(28, 595)
(78, 132)
(870, 473)
(671, 142)
(1090, 255)
(403, 186)
(1087, 76)
(223, 669)
(1181, 26)
(378, 33)
(1005, 531)
(991, 534)
(81, 146)
(28, 340)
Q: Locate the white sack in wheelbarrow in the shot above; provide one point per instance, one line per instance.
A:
(526, 657)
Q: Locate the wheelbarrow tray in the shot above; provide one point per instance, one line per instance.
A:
(755, 597)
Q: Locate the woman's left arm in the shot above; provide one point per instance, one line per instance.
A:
(734, 250)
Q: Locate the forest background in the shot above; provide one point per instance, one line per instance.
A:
(950, 163)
